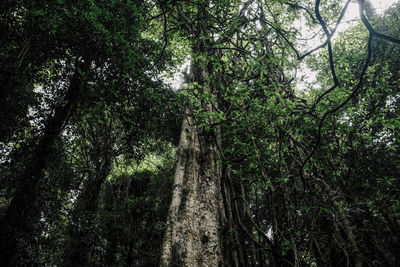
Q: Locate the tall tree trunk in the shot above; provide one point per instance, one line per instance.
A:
(194, 224)
(196, 215)
(21, 213)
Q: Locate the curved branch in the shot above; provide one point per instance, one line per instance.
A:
(355, 90)
(331, 63)
(372, 33)
(301, 57)
(369, 26)
(297, 6)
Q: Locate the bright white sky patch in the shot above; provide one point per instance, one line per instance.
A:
(382, 5)
(351, 17)
(177, 79)
(353, 10)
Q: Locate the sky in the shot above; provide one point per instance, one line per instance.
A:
(382, 5)
(352, 14)
(350, 18)
(379, 5)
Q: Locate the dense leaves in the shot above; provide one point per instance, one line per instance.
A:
(89, 124)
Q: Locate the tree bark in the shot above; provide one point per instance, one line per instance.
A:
(194, 225)
(196, 216)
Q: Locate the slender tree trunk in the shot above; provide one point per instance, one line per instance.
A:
(77, 252)
(22, 213)
(346, 226)
(194, 224)
(232, 249)
(81, 236)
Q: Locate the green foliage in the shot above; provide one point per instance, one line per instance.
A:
(296, 190)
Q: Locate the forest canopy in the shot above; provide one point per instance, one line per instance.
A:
(186, 133)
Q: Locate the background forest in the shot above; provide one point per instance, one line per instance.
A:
(93, 94)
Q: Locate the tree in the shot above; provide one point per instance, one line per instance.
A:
(266, 173)
(109, 58)
(194, 226)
